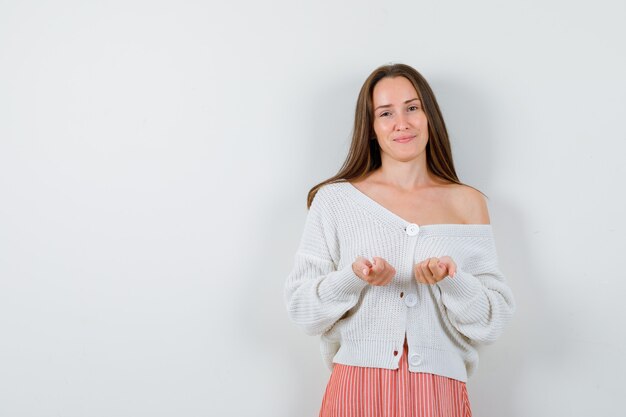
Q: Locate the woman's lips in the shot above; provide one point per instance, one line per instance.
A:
(403, 139)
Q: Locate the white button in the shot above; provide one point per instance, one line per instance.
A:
(410, 300)
(415, 359)
(412, 229)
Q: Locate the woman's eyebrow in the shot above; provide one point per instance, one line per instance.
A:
(389, 105)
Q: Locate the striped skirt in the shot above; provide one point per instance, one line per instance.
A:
(354, 391)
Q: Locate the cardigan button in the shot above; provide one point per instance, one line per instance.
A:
(412, 229)
(415, 359)
(410, 300)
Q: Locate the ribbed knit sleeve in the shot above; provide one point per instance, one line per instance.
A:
(316, 293)
(478, 301)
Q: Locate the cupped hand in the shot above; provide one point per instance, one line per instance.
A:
(433, 270)
(376, 272)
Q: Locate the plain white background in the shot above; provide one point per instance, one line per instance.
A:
(154, 162)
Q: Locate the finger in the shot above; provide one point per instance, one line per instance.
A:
(365, 265)
(426, 272)
(435, 267)
(450, 264)
(428, 275)
(380, 265)
(441, 272)
(363, 261)
(374, 264)
(419, 276)
(432, 265)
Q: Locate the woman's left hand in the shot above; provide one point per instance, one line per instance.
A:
(433, 270)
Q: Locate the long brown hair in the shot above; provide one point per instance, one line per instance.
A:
(364, 154)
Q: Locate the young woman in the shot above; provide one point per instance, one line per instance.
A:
(397, 267)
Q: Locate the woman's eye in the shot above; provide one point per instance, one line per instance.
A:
(413, 108)
(385, 114)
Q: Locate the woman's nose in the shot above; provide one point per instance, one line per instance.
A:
(401, 122)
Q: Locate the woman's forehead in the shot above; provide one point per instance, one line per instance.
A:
(393, 90)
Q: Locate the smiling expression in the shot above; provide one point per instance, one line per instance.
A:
(400, 123)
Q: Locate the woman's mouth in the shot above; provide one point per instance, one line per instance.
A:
(403, 139)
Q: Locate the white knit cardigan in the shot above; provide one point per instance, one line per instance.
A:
(365, 325)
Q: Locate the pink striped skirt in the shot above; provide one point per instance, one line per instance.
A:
(354, 391)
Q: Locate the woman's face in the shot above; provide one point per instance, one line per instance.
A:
(399, 120)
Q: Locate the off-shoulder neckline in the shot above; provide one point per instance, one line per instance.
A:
(389, 217)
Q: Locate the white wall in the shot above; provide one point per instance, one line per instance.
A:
(154, 162)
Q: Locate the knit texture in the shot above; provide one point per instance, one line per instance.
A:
(365, 325)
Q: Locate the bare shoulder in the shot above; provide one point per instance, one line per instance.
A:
(471, 203)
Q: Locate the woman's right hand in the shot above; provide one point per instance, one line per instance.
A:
(377, 272)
